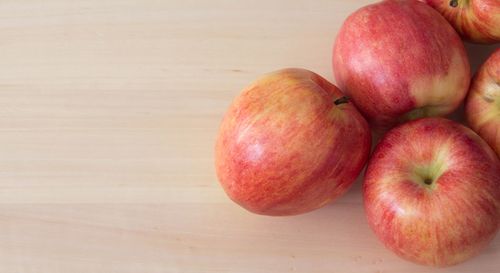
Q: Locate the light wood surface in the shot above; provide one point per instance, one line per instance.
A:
(108, 116)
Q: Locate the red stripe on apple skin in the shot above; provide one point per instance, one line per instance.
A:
(390, 54)
(285, 148)
(443, 223)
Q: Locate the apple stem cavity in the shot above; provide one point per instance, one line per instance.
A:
(454, 3)
(342, 100)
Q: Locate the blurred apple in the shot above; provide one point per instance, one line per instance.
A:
(483, 103)
(400, 60)
(290, 143)
(476, 20)
(432, 192)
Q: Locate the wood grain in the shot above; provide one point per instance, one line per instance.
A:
(108, 116)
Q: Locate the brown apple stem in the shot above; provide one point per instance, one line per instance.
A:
(454, 3)
(341, 100)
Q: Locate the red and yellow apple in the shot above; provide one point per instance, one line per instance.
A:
(476, 20)
(290, 143)
(483, 102)
(400, 60)
(432, 192)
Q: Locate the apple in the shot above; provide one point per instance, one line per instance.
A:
(432, 192)
(290, 143)
(476, 20)
(483, 102)
(400, 60)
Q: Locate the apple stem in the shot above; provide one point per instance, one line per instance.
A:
(454, 3)
(341, 100)
(428, 181)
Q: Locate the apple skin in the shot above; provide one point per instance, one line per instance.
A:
(284, 146)
(476, 20)
(482, 108)
(400, 60)
(446, 219)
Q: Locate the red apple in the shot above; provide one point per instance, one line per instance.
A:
(432, 192)
(290, 143)
(400, 60)
(476, 20)
(483, 103)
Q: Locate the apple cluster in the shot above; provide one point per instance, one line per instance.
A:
(292, 142)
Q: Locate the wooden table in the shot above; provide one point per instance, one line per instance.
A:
(108, 116)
